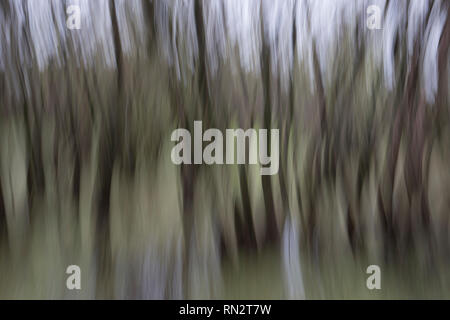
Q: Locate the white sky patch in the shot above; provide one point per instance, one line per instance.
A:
(230, 26)
(430, 60)
(417, 13)
(279, 17)
(244, 31)
(393, 24)
(215, 33)
(131, 24)
(177, 34)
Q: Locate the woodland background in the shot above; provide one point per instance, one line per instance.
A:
(85, 170)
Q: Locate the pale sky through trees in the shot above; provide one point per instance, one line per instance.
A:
(230, 25)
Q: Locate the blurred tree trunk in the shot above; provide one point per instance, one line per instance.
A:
(442, 103)
(272, 232)
(149, 11)
(443, 57)
(286, 123)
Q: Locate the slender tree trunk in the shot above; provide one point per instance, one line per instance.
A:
(272, 233)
